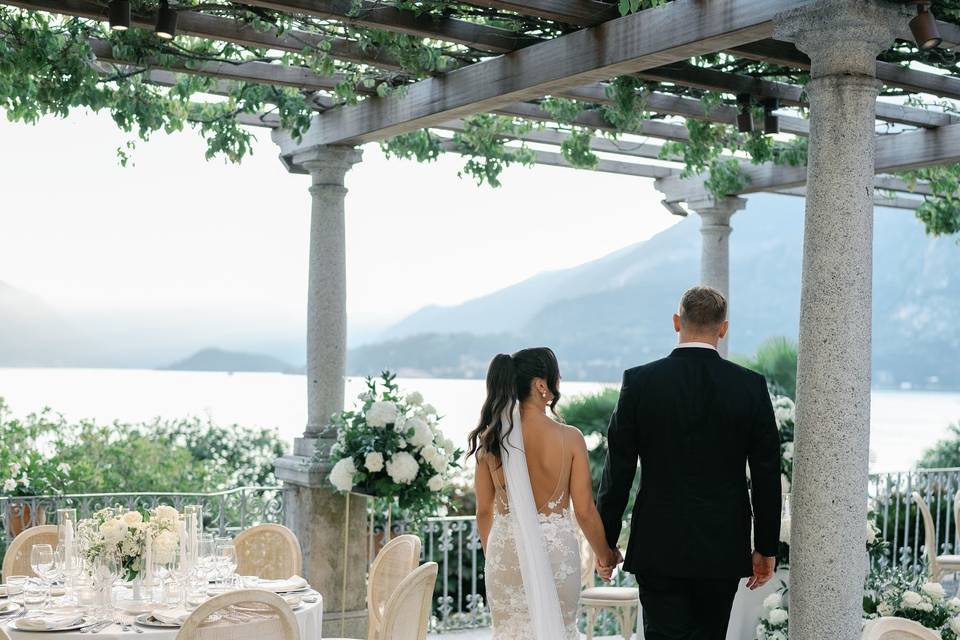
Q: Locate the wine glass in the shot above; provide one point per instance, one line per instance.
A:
(43, 563)
(207, 557)
(227, 557)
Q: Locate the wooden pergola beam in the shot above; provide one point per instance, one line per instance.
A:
(584, 13)
(211, 27)
(688, 75)
(593, 120)
(389, 18)
(643, 40)
(894, 75)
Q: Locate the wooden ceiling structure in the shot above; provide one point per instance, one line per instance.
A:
(568, 49)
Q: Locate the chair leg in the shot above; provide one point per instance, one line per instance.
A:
(591, 620)
(626, 629)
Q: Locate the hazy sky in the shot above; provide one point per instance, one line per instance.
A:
(176, 234)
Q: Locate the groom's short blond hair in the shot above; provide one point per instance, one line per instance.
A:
(702, 307)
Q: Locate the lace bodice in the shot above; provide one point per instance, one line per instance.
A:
(507, 600)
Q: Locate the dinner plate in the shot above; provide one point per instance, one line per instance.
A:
(6, 608)
(147, 620)
(14, 624)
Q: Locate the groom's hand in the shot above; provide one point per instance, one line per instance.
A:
(763, 568)
(605, 566)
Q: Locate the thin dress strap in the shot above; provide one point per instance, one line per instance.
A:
(562, 479)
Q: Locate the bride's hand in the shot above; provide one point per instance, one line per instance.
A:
(606, 565)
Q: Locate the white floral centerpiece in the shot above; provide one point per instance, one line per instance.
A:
(775, 620)
(391, 447)
(124, 538)
(892, 593)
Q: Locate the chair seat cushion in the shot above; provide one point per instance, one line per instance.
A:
(610, 593)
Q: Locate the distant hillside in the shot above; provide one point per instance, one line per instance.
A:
(615, 312)
(221, 360)
(33, 334)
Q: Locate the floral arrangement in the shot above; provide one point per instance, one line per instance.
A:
(775, 620)
(123, 537)
(893, 593)
(391, 447)
(785, 412)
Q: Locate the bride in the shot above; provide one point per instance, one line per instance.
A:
(529, 469)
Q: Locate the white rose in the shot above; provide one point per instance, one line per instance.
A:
(773, 601)
(925, 606)
(439, 463)
(784, 483)
(910, 599)
(435, 483)
(955, 625)
(778, 635)
(885, 609)
(415, 398)
(24, 480)
(382, 413)
(63, 468)
(428, 410)
(449, 446)
(953, 605)
(761, 632)
(341, 476)
(9, 484)
(785, 531)
(373, 461)
(935, 590)
(113, 531)
(166, 513)
(788, 451)
(132, 518)
(777, 616)
(422, 435)
(872, 532)
(402, 467)
(14, 469)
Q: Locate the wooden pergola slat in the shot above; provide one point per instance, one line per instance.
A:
(584, 13)
(647, 39)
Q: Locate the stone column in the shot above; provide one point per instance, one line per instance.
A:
(827, 555)
(317, 514)
(715, 229)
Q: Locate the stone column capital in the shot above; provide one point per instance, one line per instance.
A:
(326, 164)
(715, 211)
(842, 36)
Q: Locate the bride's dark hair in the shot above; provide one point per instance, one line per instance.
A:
(509, 380)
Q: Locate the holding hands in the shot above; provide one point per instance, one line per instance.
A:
(606, 563)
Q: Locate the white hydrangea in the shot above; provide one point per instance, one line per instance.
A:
(63, 468)
(414, 398)
(25, 480)
(955, 625)
(448, 445)
(341, 476)
(778, 635)
(401, 444)
(885, 609)
(373, 461)
(402, 467)
(422, 435)
(761, 632)
(872, 532)
(165, 513)
(366, 396)
(428, 410)
(113, 531)
(14, 469)
(9, 484)
(953, 605)
(165, 547)
(773, 601)
(777, 616)
(435, 483)
(911, 600)
(382, 413)
(132, 518)
(434, 458)
(784, 410)
(935, 590)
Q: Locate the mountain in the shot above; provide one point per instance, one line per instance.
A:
(614, 312)
(220, 360)
(33, 334)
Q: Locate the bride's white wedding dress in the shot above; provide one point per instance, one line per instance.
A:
(506, 595)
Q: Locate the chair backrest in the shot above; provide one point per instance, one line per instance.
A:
(956, 507)
(408, 609)
(897, 629)
(17, 560)
(929, 536)
(393, 563)
(278, 622)
(269, 551)
(3, 635)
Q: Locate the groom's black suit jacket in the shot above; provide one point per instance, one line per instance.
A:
(693, 421)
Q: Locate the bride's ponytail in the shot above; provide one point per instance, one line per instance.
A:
(509, 379)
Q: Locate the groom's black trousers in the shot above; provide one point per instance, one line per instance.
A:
(686, 608)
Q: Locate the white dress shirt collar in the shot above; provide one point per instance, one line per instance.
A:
(696, 345)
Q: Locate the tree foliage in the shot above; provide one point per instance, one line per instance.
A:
(776, 360)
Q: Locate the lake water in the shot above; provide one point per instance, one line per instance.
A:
(904, 422)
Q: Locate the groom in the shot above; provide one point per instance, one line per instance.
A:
(693, 421)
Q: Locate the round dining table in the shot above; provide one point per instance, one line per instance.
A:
(309, 618)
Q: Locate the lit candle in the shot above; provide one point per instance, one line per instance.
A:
(148, 560)
(182, 532)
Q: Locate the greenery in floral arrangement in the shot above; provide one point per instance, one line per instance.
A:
(893, 593)
(122, 538)
(390, 446)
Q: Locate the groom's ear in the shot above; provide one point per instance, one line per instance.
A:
(724, 328)
(676, 322)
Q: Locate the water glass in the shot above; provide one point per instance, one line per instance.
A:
(227, 558)
(15, 587)
(43, 563)
(35, 594)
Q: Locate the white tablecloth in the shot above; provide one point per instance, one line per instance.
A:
(309, 617)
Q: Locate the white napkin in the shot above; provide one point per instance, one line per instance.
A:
(49, 621)
(293, 583)
(171, 615)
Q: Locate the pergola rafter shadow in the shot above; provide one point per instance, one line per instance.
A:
(513, 59)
